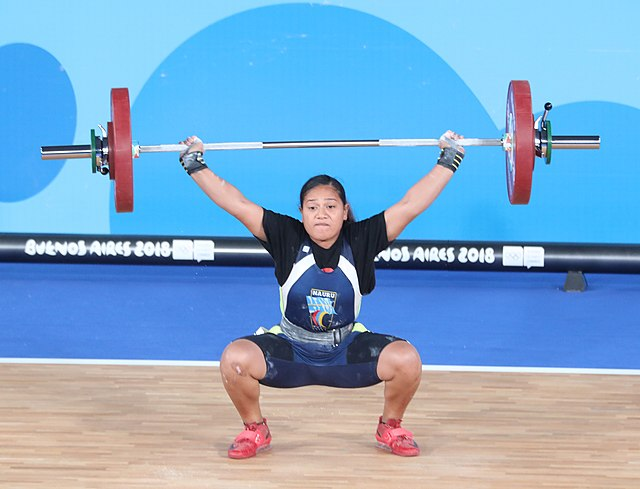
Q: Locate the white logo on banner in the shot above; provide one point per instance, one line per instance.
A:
(180, 249)
(523, 256)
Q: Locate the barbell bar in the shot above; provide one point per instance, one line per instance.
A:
(524, 139)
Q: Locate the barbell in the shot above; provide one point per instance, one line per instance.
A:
(113, 151)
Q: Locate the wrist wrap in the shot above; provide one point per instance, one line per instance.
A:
(193, 162)
(450, 158)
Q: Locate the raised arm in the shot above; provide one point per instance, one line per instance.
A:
(225, 195)
(422, 194)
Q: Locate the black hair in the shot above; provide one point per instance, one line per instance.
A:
(318, 180)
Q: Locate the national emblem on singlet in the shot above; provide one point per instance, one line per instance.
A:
(322, 307)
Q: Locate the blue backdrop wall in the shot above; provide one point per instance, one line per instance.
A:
(268, 70)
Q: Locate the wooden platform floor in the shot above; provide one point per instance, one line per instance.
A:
(90, 426)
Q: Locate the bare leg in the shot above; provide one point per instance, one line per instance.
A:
(242, 365)
(400, 367)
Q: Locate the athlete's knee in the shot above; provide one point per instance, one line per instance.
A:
(241, 358)
(400, 358)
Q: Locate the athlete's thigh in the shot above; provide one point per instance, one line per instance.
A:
(366, 347)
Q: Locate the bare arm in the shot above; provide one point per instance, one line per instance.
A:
(416, 200)
(224, 194)
(423, 193)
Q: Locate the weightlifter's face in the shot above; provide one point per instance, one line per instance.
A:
(323, 215)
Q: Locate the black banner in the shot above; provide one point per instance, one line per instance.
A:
(407, 254)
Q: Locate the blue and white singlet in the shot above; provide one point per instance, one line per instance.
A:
(321, 299)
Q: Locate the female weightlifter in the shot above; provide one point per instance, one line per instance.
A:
(324, 264)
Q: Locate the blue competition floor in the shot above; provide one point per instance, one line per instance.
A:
(190, 313)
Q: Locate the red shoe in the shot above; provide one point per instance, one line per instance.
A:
(255, 438)
(397, 440)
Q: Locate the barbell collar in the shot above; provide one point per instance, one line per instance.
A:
(575, 142)
(65, 152)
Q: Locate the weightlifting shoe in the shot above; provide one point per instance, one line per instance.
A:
(395, 439)
(255, 438)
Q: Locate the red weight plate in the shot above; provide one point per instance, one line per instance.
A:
(120, 144)
(520, 133)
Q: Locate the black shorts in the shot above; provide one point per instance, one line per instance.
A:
(292, 363)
